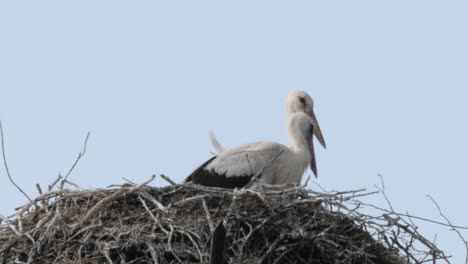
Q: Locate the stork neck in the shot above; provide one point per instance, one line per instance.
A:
(298, 140)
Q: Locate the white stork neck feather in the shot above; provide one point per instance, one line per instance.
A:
(298, 127)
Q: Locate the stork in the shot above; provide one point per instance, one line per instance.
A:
(297, 101)
(278, 164)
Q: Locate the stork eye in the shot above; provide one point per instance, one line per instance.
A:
(302, 100)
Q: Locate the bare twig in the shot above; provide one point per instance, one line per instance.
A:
(129, 181)
(38, 187)
(271, 248)
(80, 155)
(153, 253)
(454, 228)
(156, 220)
(101, 203)
(259, 173)
(51, 186)
(190, 199)
(142, 184)
(152, 199)
(12, 227)
(208, 216)
(6, 164)
(410, 216)
(306, 182)
(168, 179)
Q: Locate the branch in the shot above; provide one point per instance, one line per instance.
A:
(168, 179)
(142, 184)
(208, 216)
(6, 165)
(454, 228)
(80, 155)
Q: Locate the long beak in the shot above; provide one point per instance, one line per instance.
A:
(318, 131)
(310, 142)
(313, 162)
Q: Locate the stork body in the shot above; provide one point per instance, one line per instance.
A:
(235, 167)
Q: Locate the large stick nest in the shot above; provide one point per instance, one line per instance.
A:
(174, 224)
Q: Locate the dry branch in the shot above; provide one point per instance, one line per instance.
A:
(6, 164)
(80, 155)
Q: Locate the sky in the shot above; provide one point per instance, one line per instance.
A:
(150, 79)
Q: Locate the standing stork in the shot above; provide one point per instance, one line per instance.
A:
(276, 163)
(297, 101)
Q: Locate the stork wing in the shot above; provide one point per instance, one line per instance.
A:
(197, 170)
(235, 168)
(245, 160)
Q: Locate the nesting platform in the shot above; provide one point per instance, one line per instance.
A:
(174, 224)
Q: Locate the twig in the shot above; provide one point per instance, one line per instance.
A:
(51, 186)
(195, 244)
(12, 227)
(100, 203)
(168, 179)
(38, 187)
(142, 184)
(153, 253)
(233, 201)
(306, 182)
(6, 165)
(208, 216)
(409, 229)
(150, 198)
(105, 252)
(382, 190)
(72, 184)
(201, 196)
(129, 181)
(259, 173)
(156, 220)
(80, 155)
(412, 216)
(455, 229)
(169, 243)
(271, 248)
(246, 239)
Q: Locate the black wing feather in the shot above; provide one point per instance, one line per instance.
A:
(210, 178)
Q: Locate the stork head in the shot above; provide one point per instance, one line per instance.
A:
(300, 101)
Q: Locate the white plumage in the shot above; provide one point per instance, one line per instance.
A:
(235, 167)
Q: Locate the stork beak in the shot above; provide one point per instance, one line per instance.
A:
(313, 162)
(317, 130)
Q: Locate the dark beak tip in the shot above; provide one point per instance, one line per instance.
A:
(324, 145)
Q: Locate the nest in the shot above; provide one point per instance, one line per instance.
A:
(174, 224)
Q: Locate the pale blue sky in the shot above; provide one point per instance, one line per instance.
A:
(149, 79)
